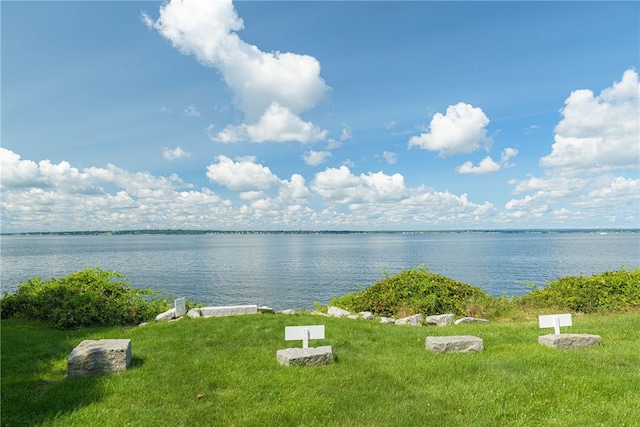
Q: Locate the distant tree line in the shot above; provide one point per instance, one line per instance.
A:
(201, 232)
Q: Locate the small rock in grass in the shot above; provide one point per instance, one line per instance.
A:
(440, 319)
(337, 312)
(470, 320)
(167, 315)
(415, 320)
(366, 315)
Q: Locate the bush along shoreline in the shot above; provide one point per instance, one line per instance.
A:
(97, 297)
(419, 291)
(90, 297)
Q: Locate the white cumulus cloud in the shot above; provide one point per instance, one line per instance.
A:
(339, 185)
(15, 172)
(486, 165)
(259, 80)
(294, 190)
(596, 142)
(277, 124)
(599, 133)
(243, 175)
(462, 129)
(314, 158)
(507, 155)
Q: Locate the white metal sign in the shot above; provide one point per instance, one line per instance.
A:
(555, 321)
(181, 306)
(304, 333)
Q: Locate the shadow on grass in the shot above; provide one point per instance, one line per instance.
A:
(136, 362)
(34, 366)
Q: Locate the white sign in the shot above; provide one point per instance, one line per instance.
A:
(181, 306)
(304, 333)
(555, 321)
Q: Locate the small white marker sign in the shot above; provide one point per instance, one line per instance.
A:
(181, 306)
(555, 321)
(304, 333)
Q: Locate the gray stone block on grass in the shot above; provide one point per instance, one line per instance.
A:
(570, 340)
(232, 310)
(454, 344)
(100, 357)
(312, 356)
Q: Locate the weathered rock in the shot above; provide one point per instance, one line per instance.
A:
(194, 312)
(319, 313)
(353, 317)
(470, 320)
(167, 315)
(454, 344)
(367, 315)
(312, 356)
(265, 310)
(440, 320)
(415, 320)
(231, 310)
(100, 357)
(337, 312)
(387, 320)
(289, 311)
(570, 340)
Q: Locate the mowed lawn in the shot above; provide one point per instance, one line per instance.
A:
(223, 372)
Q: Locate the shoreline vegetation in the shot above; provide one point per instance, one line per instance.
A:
(97, 297)
(223, 370)
(214, 232)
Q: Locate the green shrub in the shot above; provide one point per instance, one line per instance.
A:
(417, 291)
(606, 292)
(91, 297)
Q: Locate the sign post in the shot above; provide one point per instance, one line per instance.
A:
(304, 333)
(555, 321)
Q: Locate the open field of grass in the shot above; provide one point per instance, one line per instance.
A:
(223, 372)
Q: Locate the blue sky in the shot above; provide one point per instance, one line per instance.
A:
(320, 115)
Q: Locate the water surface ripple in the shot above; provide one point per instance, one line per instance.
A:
(297, 270)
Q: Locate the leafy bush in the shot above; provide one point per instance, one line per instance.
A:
(416, 291)
(606, 292)
(92, 297)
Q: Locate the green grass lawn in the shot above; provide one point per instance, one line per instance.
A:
(223, 372)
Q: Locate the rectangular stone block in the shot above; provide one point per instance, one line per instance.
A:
(570, 340)
(231, 310)
(312, 356)
(100, 357)
(454, 344)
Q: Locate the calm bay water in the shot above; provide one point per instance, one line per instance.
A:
(297, 270)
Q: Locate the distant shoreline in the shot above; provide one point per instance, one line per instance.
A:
(258, 232)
